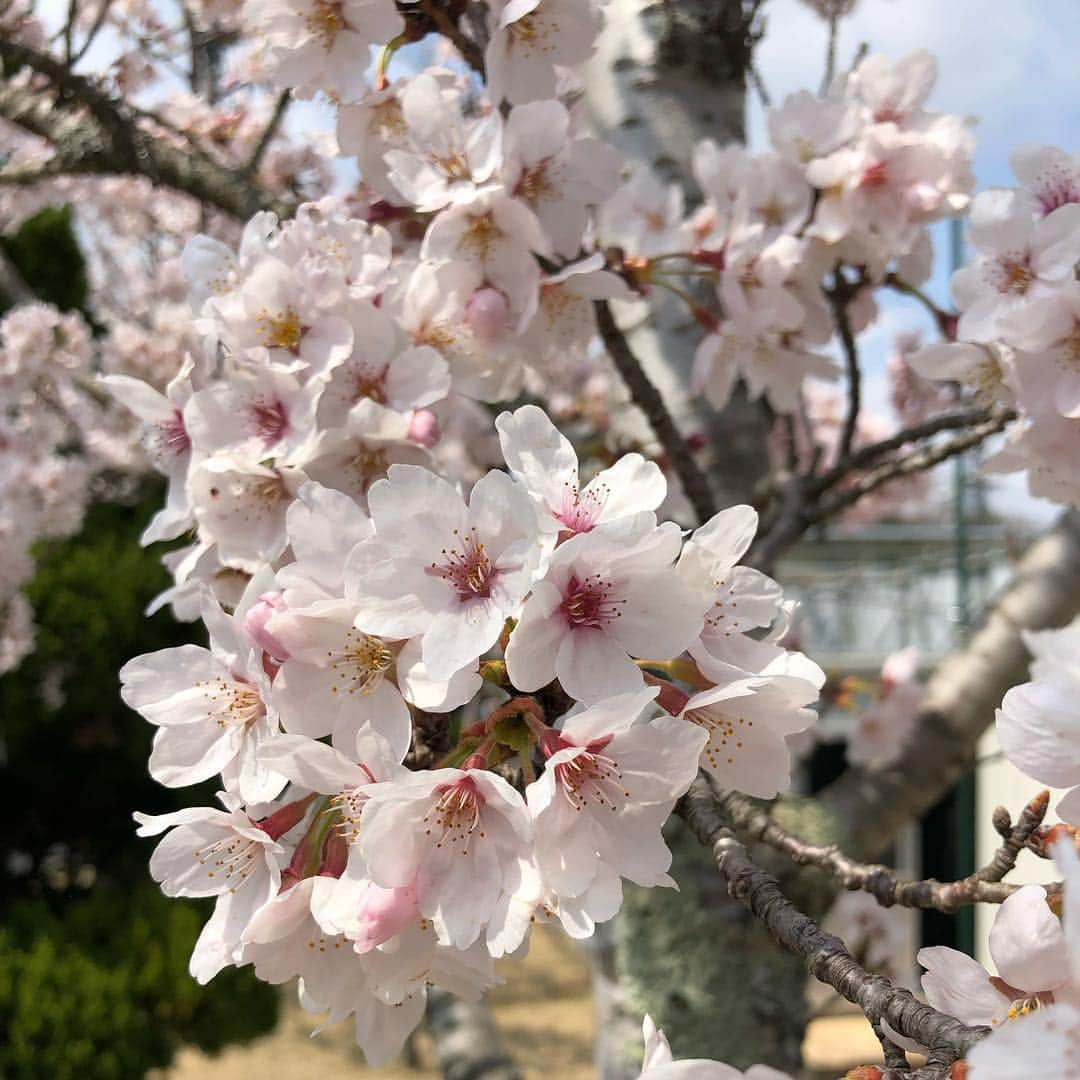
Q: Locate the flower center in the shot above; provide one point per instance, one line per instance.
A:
(592, 778)
(369, 464)
(480, 235)
(232, 704)
(325, 21)
(456, 816)
(370, 383)
(360, 663)
(454, 165)
(535, 183)
(233, 858)
(270, 420)
(280, 331)
(588, 603)
(724, 732)
(875, 177)
(1012, 274)
(1055, 188)
(581, 509)
(172, 436)
(467, 567)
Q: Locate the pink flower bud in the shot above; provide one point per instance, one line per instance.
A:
(424, 428)
(255, 623)
(384, 913)
(488, 315)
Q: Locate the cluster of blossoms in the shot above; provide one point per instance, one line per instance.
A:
(843, 201)
(57, 442)
(1018, 334)
(63, 443)
(366, 866)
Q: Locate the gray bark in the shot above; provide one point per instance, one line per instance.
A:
(664, 77)
(467, 1042)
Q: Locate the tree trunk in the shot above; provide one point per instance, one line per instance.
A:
(664, 77)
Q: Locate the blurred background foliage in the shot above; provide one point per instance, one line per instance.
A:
(93, 959)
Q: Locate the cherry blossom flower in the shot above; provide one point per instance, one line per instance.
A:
(167, 442)
(457, 834)
(557, 175)
(746, 721)
(608, 595)
(284, 941)
(529, 38)
(544, 460)
(446, 157)
(885, 726)
(321, 44)
(240, 505)
(221, 853)
(441, 570)
(1047, 1038)
(607, 788)
(212, 707)
(1019, 260)
(1037, 721)
(1027, 945)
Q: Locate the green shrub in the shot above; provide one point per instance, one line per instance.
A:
(93, 960)
(46, 253)
(103, 993)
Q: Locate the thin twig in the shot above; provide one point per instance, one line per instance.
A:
(472, 54)
(69, 28)
(808, 500)
(825, 955)
(648, 399)
(268, 132)
(92, 33)
(882, 882)
(918, 461)
(839, 298)
(868, 455)
(830, 51)
(115, 143)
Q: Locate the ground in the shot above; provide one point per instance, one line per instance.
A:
(544, 1011)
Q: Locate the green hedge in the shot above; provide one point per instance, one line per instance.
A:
(93, 980)
(103, 993)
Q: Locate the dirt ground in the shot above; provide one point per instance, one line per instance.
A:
(544, 1011)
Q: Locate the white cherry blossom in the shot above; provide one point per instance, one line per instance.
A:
(609, 595)
(608, 786)
(439, 569)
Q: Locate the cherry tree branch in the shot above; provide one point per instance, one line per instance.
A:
(868, 455)
(825, 955)
(648, 399)
(839, 298)
(882, 882)
(92, 33)
(251, 166)
(446, 25)
(808, 499)
(92, 133)
(917, 461)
